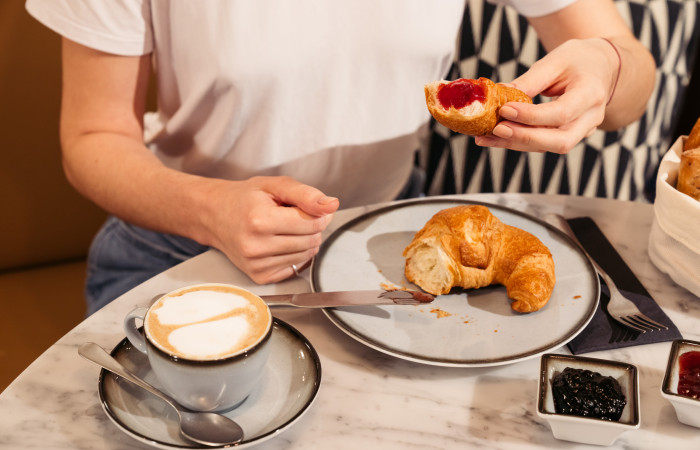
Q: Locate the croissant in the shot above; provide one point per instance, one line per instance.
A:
(689, 173)
(470, 106)
(467, 246)
(693, 140)
(689, 167)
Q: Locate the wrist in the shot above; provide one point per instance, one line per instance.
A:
(205, 209)
(618, 61)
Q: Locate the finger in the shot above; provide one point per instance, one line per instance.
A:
(285, 220)
(566, 109)
(280, 274)
(305, 265)
(289, 191)
(540, 78)
(496, 142)
(539, 139)
(277, 268)
(277, 245)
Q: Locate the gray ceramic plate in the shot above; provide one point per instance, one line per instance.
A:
(588, 430)
(289, 387)
(466, 327)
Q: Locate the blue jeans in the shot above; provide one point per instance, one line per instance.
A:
(123, 256)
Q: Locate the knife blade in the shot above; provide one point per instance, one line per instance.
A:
(348, 298)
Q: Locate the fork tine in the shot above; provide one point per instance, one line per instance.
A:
(624, 321)
(644, 319)
(635, 319)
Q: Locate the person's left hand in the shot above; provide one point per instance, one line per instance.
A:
(581, 75)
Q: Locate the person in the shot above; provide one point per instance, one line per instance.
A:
(272, 114)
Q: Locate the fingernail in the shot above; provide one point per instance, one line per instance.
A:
(502, 131)
(490, 141)
(326, 200)
(508, 113)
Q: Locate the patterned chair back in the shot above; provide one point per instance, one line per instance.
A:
(499, 44)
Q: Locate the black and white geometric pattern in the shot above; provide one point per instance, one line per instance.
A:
(499, 44)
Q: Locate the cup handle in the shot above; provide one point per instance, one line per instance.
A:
(132, 331)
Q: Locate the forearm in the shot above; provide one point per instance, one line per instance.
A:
(104, 155)
(634, 84)
(123, 177)
(262, 224)
(590, 21)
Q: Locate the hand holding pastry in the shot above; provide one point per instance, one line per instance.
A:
(581, 77)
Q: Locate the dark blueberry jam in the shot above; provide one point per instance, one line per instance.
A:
(581, 392)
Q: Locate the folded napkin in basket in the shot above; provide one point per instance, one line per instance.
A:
(674, 242)
(604, 333)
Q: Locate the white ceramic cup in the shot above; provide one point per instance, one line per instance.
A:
(207, 344)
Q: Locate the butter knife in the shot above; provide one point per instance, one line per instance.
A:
(348, 298)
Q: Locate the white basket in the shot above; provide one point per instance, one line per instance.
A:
(674, 242)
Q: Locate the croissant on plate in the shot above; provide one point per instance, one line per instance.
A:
(470, 106)
(466, 246)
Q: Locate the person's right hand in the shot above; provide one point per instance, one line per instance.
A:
(266, 224)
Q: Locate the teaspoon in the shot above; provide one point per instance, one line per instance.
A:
(205, 428)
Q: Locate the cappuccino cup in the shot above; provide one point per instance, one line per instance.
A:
(207, 344)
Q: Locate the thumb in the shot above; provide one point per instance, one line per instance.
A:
(312, 201)
(534, 81)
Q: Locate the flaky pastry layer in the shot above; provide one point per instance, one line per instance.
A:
(463, 120)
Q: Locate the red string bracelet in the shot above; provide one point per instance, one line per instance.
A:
(619, 69)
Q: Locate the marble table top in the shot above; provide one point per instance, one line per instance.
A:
(369, 399)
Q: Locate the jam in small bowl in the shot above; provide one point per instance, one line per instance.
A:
(588, 400)
(681, 385)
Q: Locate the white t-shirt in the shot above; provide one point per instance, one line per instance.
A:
(329, 93)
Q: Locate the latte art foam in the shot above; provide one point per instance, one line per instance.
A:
(207, 323)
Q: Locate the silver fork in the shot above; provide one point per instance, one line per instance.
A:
(620, 308)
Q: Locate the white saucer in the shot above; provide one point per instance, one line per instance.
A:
(290, 385)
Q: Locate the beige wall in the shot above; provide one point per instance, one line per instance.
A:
(43, 218)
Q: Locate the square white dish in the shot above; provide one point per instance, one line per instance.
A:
(588, 430)
(687, 409)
